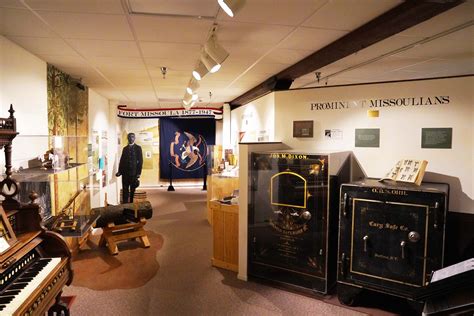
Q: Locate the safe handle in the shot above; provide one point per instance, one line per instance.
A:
(403, 244)
(436, 211)
(343, 264)
(345, 204)
(366, 241)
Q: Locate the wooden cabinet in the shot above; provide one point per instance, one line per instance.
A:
(225, 231)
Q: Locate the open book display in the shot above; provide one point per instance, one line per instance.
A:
(407, 170)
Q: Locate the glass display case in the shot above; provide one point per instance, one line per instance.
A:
(59, 169)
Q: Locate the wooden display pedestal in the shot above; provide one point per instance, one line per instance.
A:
(116, 233)
(225, 228)
(76, 243)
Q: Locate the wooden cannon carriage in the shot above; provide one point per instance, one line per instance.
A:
(123, 222)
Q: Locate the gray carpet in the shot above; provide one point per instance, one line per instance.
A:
(186, 283)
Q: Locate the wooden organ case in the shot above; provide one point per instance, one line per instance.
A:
(391, 237)
(35, 264)
(292, 218)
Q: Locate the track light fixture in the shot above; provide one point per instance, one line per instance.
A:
(211, 65)
(231, 6)
(215, 50)
(200, 71)
(187, 98)
(187, 106)
(193, 85)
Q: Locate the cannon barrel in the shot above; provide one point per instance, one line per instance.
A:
(122, 213)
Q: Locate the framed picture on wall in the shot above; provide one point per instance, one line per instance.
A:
(302, 128)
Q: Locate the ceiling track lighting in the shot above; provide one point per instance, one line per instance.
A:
(211, 64)
(200, 71)
(193, 85)
(186, 106)
(231, 7)
(215, 50)
(187, 98)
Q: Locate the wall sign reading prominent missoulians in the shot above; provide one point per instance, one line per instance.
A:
(199, 112)
(380, 103)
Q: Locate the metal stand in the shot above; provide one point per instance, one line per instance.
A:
(204, 168)
(170, 187)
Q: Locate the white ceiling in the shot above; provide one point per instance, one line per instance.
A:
(118, 46)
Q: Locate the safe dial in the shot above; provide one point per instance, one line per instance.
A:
(413, 236)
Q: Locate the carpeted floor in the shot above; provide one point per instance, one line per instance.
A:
(96, 269)
(174, 276)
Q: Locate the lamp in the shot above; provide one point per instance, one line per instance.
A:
(187, 106)
(193, 85)
(211, 65)
(200, 71)
(215, 50)
(231, 6)
(187, 98)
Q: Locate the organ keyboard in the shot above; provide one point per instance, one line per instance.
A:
(33, 272)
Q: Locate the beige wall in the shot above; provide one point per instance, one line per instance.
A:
(23, 84)
(256, 118)
(400, 128)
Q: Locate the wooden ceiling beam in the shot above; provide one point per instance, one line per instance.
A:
(396, 20)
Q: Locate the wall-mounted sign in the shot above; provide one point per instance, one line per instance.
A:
(367, 137)
(380, 103)
(436, 138)
(198, 112)
(302, 128)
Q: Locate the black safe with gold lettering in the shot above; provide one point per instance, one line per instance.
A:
(391, 237)
(292, 218)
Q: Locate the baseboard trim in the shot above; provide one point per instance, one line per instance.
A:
(242, 277)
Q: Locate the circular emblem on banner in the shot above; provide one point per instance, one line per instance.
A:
(188, 151)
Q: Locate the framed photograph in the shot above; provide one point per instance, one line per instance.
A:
(303, 129)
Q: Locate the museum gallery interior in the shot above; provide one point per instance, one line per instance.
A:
(232, 157)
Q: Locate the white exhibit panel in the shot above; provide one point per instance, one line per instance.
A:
(404, 109)
(23, 84)
(254, 122)
(101, 127)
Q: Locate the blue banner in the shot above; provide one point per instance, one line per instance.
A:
(184, 144)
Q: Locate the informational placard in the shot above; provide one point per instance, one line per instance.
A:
(437, 138)
(367, 137)
(333, 134)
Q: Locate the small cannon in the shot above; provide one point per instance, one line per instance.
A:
(123, 222)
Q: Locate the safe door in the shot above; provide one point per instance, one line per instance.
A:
(389, 241)
(391, 236)
(288, 218)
